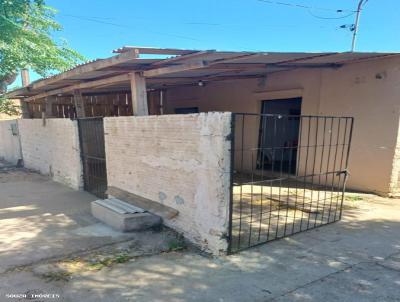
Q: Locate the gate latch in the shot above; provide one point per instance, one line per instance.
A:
(345, 172)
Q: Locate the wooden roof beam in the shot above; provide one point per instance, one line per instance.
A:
(89, 67)
(174, 69)
(91, 84)
(154, 50)
(183, 57)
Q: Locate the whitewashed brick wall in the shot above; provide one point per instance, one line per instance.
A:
(10, 148)
(52, 149)
(182, 161)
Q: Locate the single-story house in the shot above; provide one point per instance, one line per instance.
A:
(248, 147)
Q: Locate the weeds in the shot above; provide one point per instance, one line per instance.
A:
(57, 276)
(354, 198)
(99, 264)
(177, 244)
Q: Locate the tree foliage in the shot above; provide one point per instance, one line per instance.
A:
(8, 106)
(27, 40)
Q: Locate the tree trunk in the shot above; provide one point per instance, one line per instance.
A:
(5, 81)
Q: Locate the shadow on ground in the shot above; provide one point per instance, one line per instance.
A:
(356, 259)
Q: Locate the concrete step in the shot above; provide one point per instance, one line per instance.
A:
(119, 206)
(123, 216)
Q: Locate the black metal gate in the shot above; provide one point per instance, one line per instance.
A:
(289, 175)
(91, 137)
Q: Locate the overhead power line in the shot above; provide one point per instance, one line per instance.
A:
(99, 20)
(301, 6)
(330, 18)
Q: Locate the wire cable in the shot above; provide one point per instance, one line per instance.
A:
(331, 18)
(90, 19)
(295, 5)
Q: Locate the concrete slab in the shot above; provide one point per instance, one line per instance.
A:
(360, 235)
(121, 217)
(393, 262)
(41, 219)
(365, 282)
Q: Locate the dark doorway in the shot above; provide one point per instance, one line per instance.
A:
(91, 137)
(278, 137)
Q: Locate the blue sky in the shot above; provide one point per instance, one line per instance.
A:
(94, 28)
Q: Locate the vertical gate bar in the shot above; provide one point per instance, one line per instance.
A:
(272, 168)
(313, 172)
(241, 185)
(288, 176)
(264, 130)
(305, 175)
(320, 170)
(347, 166)
(327, 169)
(298, 159)
(307, 184)
(280, 179)
(337, 172)
(232, 169)
(251, 197)
(341, 166)
(334, 170)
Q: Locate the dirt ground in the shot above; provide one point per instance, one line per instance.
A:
(51, 247)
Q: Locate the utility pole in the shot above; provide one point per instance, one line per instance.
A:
(356, 23)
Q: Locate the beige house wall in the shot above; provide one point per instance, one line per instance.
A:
(368, 91)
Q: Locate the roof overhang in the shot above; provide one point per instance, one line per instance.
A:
(181, 67)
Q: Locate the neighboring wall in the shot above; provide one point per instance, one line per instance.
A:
(369, 91)
(52, 149)
(10, 148)
(181, 161)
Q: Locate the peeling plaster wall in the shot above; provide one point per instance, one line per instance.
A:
(182, 161)
(10, 148)
(52, 149)
(369, 91)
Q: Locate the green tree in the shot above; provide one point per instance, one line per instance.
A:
(27, 41)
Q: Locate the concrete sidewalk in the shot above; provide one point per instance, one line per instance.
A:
(41, 219)
(357, 259)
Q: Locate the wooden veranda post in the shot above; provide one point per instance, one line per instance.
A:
(79, 105)
(139, 94)
(49, 106)
(25, 109)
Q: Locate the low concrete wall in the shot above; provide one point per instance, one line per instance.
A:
(10, 148)
(181, 161)
(52, 149)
